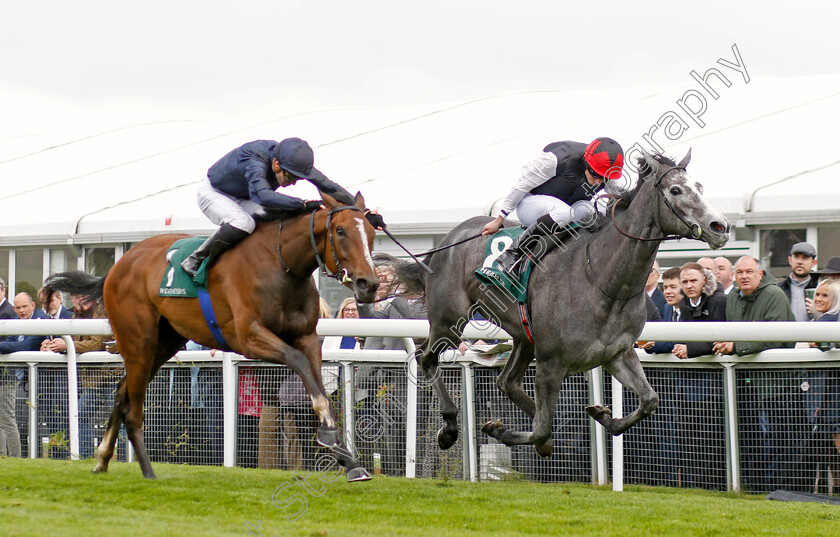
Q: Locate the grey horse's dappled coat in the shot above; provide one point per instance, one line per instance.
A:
(585, 298)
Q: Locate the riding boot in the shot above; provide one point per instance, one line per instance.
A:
(509, 259)
(224, 237)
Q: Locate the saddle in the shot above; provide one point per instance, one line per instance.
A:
(176, 282)
(534, 250)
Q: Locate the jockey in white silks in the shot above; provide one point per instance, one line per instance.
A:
(557, 188)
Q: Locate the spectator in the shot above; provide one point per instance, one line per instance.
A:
(694, 389)
(831, 270)
(9, 432)
(673, 295)
(52, 304)
(652, 289)
(827, 306)
(802, 258)
(707, 263)
(665, 421)
(725, 274)
(7, 311)
(96, 383)
(346, 310)
(758, 299)
(822, 398)
(380, 391)
(704, 301)
(771, 424)
(249, 410)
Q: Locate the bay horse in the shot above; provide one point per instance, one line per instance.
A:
(585, 298)
(265, 301)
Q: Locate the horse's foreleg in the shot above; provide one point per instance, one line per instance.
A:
(628, 370)
(305, 360)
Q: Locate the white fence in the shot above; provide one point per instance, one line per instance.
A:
(468, 365)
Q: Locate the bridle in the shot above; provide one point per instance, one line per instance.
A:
(342, 275)
(694, 230)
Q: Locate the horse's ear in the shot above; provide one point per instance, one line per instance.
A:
(330, 201)
(360, 200)
(650, 162)
(686, 159)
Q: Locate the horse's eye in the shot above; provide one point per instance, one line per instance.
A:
(340, 232)
(676, 191)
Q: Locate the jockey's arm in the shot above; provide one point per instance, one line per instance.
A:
(333, 189)
(261, 192)
(535, 173)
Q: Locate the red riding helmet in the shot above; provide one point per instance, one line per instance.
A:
(605, 157)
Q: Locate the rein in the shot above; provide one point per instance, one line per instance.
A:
(694, 231)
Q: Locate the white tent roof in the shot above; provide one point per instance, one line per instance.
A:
(769, 145)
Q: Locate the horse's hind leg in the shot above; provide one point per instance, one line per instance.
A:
(140, 369)
(448, 434)
(509, 382)
(628, 370)
(106, 447)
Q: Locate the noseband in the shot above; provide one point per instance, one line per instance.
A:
(694, 230)
(342, 275)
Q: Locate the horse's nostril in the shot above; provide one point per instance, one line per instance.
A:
(718, 227)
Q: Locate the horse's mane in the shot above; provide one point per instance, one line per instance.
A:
(645, 171)
(273, 214)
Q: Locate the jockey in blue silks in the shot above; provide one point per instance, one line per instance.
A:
(245, 180)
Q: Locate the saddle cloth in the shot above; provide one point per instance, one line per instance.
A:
(175, 281)
(490, 273)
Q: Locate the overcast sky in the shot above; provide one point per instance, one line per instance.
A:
(217, 55)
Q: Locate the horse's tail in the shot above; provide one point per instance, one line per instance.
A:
(410, 276)
(76, 282)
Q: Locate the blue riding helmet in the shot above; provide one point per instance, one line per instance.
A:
(295, 156)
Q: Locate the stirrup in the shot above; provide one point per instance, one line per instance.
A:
(515, 270)
(191, 266)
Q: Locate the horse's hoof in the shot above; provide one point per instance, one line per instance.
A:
(599, 413)
(99, 470)
(357, 474)
(445, 439)
(492, 428)
(328, 437)
(545, 450)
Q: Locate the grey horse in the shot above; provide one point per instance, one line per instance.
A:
(585, 298)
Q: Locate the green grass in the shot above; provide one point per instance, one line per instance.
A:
(55, 498)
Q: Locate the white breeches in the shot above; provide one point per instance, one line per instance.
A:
(221, 208)
(534, 206)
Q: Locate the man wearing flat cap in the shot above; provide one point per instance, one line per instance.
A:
(802, 259)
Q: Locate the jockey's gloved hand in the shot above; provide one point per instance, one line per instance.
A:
(375, 220)
(312, 205)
